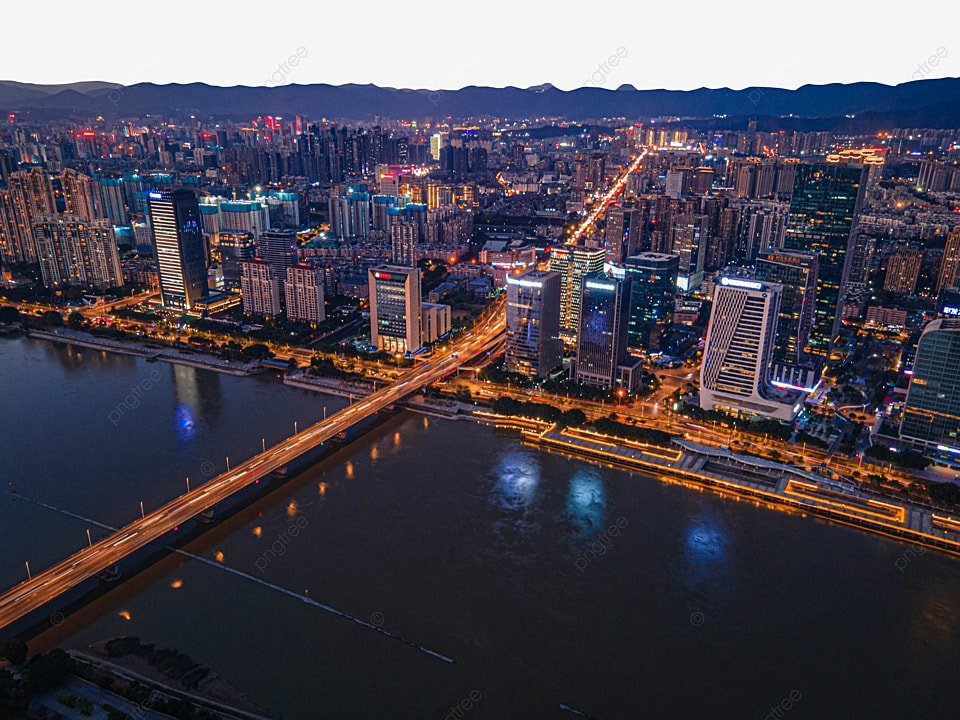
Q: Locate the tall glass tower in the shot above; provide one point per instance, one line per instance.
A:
(178, 247)
(931, 417)
(823, 211)
(654, 289)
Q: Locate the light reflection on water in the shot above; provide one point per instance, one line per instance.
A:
(517, 474)
(587, 500)
(185, 424)
(705, 547)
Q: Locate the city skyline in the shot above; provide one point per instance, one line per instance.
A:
(350, 401)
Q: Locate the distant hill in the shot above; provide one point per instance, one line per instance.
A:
(928, 103)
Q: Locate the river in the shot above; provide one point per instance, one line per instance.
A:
(548, 581)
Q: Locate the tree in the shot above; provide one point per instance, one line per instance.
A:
(257, 351)
(9, 314)
(52, 318)
(945, 493)
(45, 671)
(574, 417)
(14, 650)
(75, 320)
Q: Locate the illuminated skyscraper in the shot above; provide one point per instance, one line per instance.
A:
(178, 247)
(395, 308)
(738, 355)
(950, 265)
(621, 234)
(797, 274)
(77, 252)
(689, 243)
(823, 211)
(260, 287)
(303, 294)
(602, 333)
(533, 346)
(903, 270)
(652, 295)
(931, 417)
(573, 262)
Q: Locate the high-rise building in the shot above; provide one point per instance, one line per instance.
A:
(279, 249)
(533, 346)
(260, 287)
(573, 262)
(112, 201)
(77, 252)
(35, 193)
(395, 308)
(350, 212)
(689, 243)
(861, 263)
(738, 354)
(678, 182)
(903, 270)
(931, 417)
(303, 294)
(602, 334)
(435, 321)
(234, 248)
(404, 235)
(621, 234)
(949, 275)
(244, 216)
(823, 211)
(797, 274)
(178, 247)
(762, 225)
(653, 291)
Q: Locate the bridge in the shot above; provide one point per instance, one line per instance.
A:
(53, 582)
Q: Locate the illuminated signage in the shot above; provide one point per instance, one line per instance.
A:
(524, 283)
(600, 286)
(953, 311)
(383, 276)
(155, 195)
(737, 283)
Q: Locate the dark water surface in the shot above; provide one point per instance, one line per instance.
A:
(548, 580)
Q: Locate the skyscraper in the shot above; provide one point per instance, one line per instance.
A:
(234, 248)
(573, 262)
(796, 273)
(931, 417)
(395, 308)
(279, 249)
(602, 333)
(112, 202)
(260, 287)
(303, 294)
(403, 242)
(949, 275)
(653, 291)
(823, 211)
(903, 269)
(621, 233)
(178, 247)
(533, 346)
(689, 243)
(77, 252)
(739, 352)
